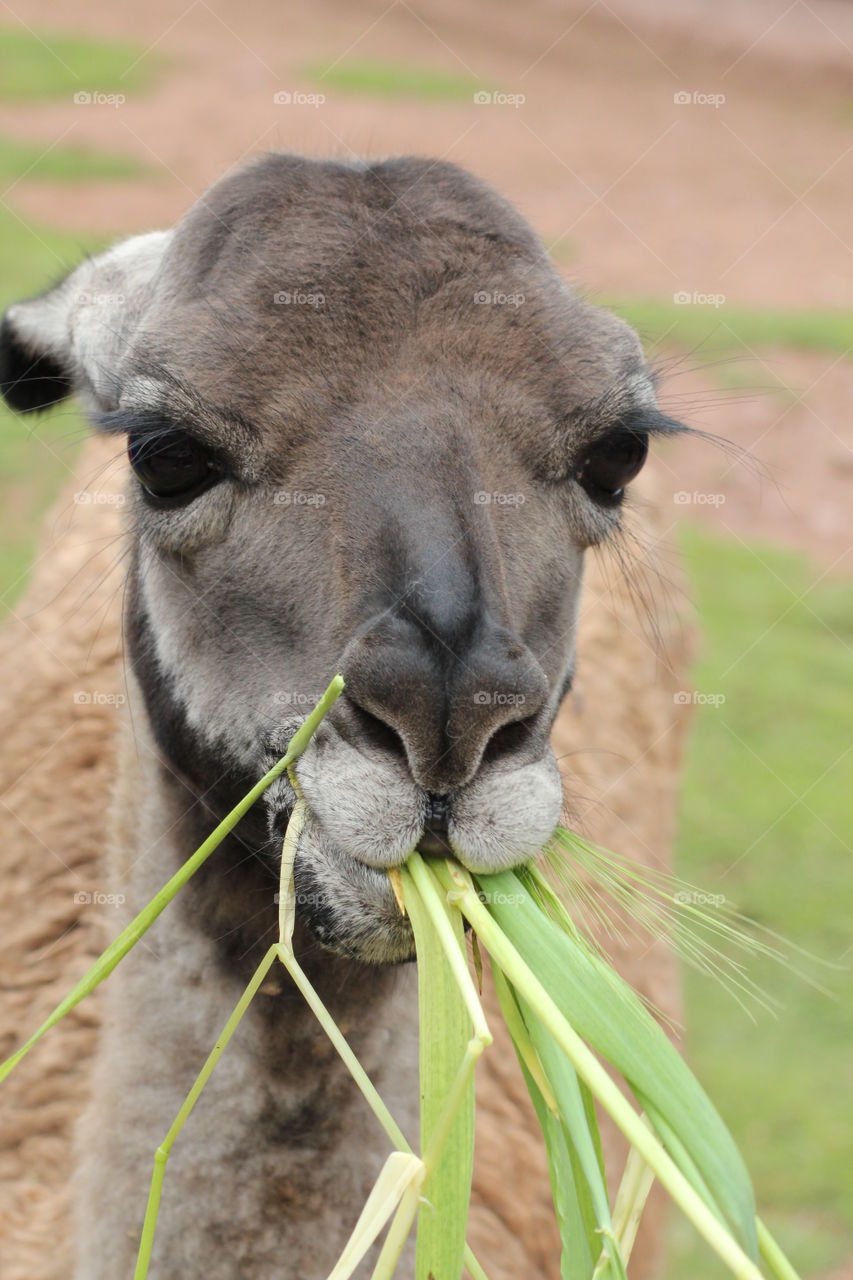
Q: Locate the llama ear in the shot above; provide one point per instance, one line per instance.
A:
(34, 372)
(72, 337)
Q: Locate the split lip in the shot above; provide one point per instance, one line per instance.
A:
(434, 843)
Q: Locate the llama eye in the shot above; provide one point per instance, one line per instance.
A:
(172, 468)
(611, 463)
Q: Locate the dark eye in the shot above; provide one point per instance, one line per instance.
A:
(611, 463)
(173, 468)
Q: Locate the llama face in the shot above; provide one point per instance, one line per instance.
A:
(372, 431)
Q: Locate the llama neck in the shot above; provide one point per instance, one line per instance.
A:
(280, 1120)
(229, 909)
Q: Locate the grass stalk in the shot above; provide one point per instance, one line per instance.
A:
(452, 1102)
(435, 903)
(339, 1041)
(149, 1225)
(637, 1182)
(396, 1177)
(366, 1086)
(773, 1255)
(593, 1073)
(398, 1232)
(521, 1038)
(141, 923)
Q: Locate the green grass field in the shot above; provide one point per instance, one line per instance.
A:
(393, 80)
(36, 162)
(52, 65)
(36, 454)
(709, 330)
(766, 820)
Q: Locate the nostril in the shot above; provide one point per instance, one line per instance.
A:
(377, 732)
(509, 739)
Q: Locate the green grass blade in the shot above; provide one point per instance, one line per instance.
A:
(583, 1150)
(132, 932)
(365, 1085)
(773, 1255)
(610, 1016)
(149, 1225)
(637, 1180)
(462, 890)
(401, 1173)
(581, 1245)
(445, 1036)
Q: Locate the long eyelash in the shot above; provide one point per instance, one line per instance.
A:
(648, 421)
(139, 422)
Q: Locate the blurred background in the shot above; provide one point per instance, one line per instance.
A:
(689, 164)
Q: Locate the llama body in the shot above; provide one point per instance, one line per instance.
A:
(427, 423)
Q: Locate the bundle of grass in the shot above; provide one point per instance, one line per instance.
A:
(565, 1008)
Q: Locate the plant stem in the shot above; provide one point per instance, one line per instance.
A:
(398, 1232)
(358, 1073)
(593, 1073)
(773, 1255)
(351, 1062)
(451, 1105)
(521, 1038)
(162, 1155)
(131, 934)
(395, 1178)
(286, 885)
(435, 903)
(637, 1181)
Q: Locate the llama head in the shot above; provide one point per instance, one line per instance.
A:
(373, 431)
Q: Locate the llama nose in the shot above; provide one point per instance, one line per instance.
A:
(446, 701)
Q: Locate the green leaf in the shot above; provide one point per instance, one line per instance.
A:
(572, 1203)
(608, 1014)
(445, 1035)
(579, 1122)
(581, 1244)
